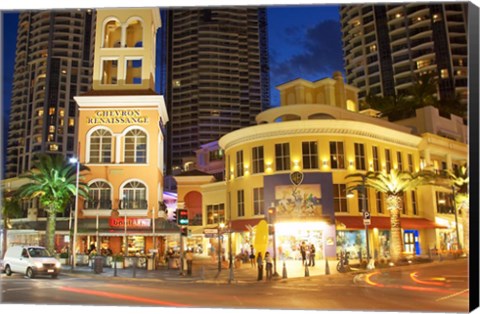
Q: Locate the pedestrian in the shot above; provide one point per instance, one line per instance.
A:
(268, 265)
(189, 258)
(260, 266)
(303, 252)
(311, 260)
(252, 256)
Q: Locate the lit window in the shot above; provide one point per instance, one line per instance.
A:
(444, 73)
(135, 147)
(51, 129)
(100, 146)
(51, 111)
(373, 48)
(40, 113)
(53, 147)
(71, 122)
(61, 112)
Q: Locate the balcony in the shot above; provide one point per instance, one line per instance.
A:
(133, 204)
(98, 204)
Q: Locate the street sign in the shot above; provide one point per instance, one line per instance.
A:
(210, 231)
(366, 218)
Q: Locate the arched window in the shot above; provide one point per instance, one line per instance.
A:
(101, 146)
(100, 194)
(134, 196)
(134, 33)
(136, 146)
(112, 34)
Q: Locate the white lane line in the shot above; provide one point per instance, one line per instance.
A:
(451, 295)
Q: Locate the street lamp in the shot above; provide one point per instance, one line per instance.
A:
(220, 227)
(366, 215)
(459, 247)
(74, 160)
(272, 218)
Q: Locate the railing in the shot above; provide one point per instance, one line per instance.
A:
(133, 204)
(97, 204)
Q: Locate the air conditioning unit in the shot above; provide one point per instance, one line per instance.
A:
(32, 214)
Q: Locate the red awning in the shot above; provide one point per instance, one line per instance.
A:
(241, 225)
(356, 222)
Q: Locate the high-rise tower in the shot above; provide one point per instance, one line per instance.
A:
(53, 63)
(217, 77)
(386, 46)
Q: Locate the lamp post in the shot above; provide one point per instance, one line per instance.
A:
(271, 218)
(74, 160)
(456, 218)
(220, 227)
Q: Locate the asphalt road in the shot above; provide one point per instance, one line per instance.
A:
(440, 287)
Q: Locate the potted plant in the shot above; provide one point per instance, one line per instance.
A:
(118, 261)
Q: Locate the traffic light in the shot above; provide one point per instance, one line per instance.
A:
(182, 217)
(184, 231)
(271, 215)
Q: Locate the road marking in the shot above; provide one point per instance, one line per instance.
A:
(452, 295)
(17, 289)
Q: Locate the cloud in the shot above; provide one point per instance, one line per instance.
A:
(321, 53)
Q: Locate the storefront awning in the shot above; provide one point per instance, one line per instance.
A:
(241, 225)
(356, 222)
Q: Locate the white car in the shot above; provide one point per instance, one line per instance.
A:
(31, 261)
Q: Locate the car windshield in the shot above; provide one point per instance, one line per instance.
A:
(38, 252)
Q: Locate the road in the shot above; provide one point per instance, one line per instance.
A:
(434, 287)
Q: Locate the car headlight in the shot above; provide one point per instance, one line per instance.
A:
(38, 265)
(58, 264)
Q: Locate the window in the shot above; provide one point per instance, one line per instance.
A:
(444, 203)
(136, 147)
(112, 34)
(258, 201)
(399, 161)
(134, 34)
(239, 164)
(257, 160)
(360, 156)
(376, 163)
(310, 155)
(100, 196)
(282, 156)
(337, 159)
(101, 146)
(380, 202)
(410, 162)
(215, 213)
(109, 72)
(444, 73)
(340, 198)
(134, 71)
(240, 203)
(388, 161)
(134, 196)
(414, 203)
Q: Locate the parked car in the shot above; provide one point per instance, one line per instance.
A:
(31, 261)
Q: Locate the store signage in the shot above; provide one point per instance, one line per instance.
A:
(366, 218)
(132, 223)
(210, 233)
(296, 177)
(118, 116)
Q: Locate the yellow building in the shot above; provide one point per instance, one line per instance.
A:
(319, 136)
(121, 135)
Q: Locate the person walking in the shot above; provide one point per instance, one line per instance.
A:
(303, 252)
(269, 265)
(311, 258)
(189, 258)
(260, 266)
(252, 256)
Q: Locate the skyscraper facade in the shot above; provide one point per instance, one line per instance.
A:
(53, 63)
(217, 76)
(386, 46)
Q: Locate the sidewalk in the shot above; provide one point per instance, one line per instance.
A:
(205, 271)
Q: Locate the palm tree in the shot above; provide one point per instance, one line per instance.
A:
(393, 185)
(53, 180)
(458, 180)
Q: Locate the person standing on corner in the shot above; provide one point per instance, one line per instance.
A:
(311, 260)
(260, 266)
(303, 252)
(269, 265)
(189, 258)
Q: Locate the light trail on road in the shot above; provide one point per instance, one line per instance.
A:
(123, 297)
(414, 276)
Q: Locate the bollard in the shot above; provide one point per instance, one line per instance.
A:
(327, 268)
(114, 268)
(284, 271)
(307, 272)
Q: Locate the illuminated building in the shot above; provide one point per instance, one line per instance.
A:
(52, 64)
(319, 132)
